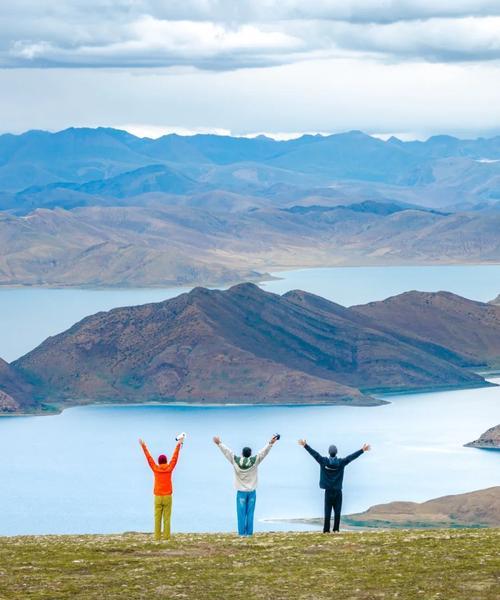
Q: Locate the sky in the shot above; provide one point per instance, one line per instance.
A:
(412, 68)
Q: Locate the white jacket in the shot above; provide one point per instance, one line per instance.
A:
(245, 480)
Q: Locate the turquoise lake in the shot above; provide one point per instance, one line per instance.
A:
(83, 471)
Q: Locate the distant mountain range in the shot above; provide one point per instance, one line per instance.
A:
(102, 207)
(67, 168)
(248, 345)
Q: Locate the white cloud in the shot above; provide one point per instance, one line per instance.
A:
(441, 40)
(224, 35)
(145, 130)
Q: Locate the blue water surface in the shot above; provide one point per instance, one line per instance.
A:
(83, 470)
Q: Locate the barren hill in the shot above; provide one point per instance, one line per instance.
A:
(206, 241)
(479, 508)
(16, 394)
(238, 345)
(470, 329)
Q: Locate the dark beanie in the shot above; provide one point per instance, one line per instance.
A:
(332, 450)
(162, 459)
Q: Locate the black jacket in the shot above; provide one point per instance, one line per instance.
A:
(332, 469)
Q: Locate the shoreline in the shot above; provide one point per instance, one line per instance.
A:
(389, 392)
(271, 274)
(349, 525)
(58, 408)
(120, 287)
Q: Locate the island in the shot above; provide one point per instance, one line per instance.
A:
(489, 440)
(246, 345)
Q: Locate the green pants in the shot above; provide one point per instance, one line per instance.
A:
(163, 509)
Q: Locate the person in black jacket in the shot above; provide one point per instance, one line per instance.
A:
(331, 478)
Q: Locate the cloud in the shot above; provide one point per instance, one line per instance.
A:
(226, 35)
(144, 130)
(151, 42)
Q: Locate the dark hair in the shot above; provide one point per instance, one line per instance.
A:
(332, 450)
(247, 452)
(162, 459)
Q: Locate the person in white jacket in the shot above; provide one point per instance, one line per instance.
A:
(245, 481)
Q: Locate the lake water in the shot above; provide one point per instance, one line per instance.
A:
(358, 285)
(29, 315)
(83, 471)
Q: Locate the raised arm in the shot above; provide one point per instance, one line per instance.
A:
(356, 454)
(316, 455)
(228, 453)
(261, 455)
(175, 457)
(148, 456)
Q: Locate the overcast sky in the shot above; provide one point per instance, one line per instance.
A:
(407, 67)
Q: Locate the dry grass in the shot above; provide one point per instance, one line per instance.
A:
(440, 564)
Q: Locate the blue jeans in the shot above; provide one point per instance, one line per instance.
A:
(245, 508)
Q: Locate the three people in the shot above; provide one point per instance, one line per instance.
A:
(162, 488)
(331, 479)
(245, 480)
(245, 468)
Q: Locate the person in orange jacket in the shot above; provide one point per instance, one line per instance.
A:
(163, 487)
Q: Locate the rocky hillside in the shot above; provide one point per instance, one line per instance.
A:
(16, 394)
(473, 509)
(242, 344)
(489, 440)
(461, 330)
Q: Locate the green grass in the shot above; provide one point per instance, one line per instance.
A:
(439, 564)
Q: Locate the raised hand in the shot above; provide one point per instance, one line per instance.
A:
(141, 442)
(302, 442)
(274, 439)
(366, 447)
(216, 439)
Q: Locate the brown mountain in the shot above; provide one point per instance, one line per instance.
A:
(16, 394)
(241, 345)
(490, 439)
(473, 509)
(463, 331)
(162, 245)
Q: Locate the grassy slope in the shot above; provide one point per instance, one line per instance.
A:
(444, 564)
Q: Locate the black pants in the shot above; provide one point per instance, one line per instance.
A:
(333, 499)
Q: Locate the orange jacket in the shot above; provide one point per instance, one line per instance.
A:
(163, 473)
